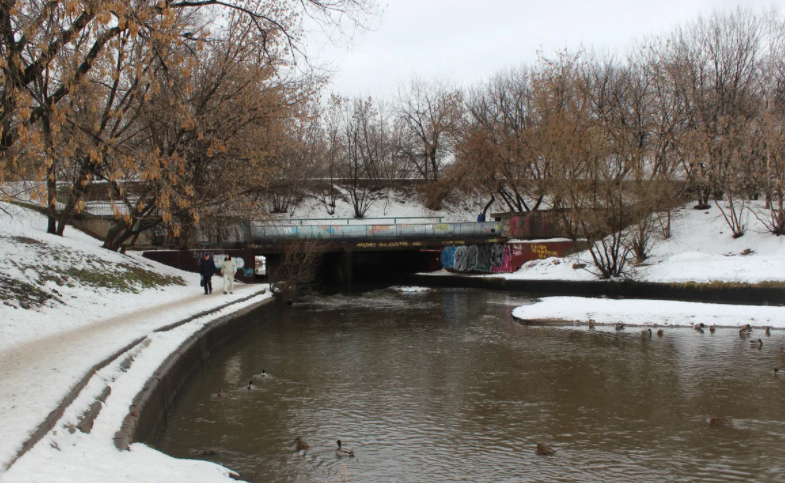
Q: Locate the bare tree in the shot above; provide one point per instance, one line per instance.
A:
(364, 142)
(294, 270)
(430, 113)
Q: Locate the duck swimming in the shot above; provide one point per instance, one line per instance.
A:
(720, 421)
(646, 332)
(591, 324)
(620, 326)
(343, 451)
(301, 445)
(778, 371)
(758, 342)
(220, 393)
(699, 326)
(660, 332)
(250, 384)
(544, 450)
(712, 329)
(264, 374)
(768, 331)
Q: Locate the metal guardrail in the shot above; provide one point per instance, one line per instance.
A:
(99, 208)
(348, 220)
(264, 233)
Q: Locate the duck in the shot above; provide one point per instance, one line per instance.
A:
(544, 450)
(758, 342)
(591, 324)
(264, 373)
(660, 332)
(341, 451)
(250, 384)
(720, 421)
(777, 371)
(220, 393)
(646, 332)
(620, 326)
(713, 328)
(301, 445)
(746, 329)
(768, 331)
(699, 326)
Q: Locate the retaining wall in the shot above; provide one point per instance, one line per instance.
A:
(147, 415)
(730, 293)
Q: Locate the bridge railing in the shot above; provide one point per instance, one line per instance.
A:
(358, 221)
(265, 233)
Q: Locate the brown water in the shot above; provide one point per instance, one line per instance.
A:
(444, 386)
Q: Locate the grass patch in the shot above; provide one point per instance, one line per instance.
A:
(72, 269)
(15, 293)
(121, 277)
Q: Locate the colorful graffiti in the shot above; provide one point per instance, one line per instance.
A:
(494, 258)
(219, 261)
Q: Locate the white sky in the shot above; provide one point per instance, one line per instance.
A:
(468, 40)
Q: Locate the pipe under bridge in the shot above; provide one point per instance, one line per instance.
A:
(374, 233)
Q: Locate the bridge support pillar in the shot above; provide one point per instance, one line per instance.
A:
(347, 267)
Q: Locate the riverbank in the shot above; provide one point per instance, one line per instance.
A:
(772, 293)
(82, 445)
(699, 250)
(648, 313)
(67, 307)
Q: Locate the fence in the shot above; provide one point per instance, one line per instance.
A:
(357, 221)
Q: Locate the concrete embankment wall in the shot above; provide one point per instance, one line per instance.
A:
(713, 293)
(147, 415)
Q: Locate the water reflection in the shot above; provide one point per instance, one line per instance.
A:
(444, 386)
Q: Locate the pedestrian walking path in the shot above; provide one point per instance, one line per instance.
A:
(37, 374)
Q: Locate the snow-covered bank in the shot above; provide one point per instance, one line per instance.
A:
(392, 203)
(649, 312)
(701, 249)
(92, 458)
(69, 304)
(409, 289)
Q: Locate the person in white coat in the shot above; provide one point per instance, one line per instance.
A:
(228, 269)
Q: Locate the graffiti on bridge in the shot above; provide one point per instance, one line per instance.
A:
(495, 258)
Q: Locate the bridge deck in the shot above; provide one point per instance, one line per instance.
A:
(375, 233)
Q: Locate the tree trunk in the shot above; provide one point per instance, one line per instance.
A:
(51, 179)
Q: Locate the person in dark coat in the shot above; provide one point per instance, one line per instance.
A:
(207, 270)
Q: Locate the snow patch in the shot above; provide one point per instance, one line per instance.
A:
(650, 312)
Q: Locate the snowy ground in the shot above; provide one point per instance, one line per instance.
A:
(81, 312)
(391, 204)
(409, 289)
(701, 249)
(62, 456)
(649, 312)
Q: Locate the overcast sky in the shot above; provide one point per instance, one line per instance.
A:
(468, 40)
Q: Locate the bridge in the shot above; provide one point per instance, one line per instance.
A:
(370, 252)
(371, 236)
(348, 250)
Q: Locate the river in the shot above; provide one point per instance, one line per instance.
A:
(443, 386)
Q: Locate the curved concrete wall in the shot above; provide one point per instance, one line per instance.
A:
(720, 293)
(148, 412)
